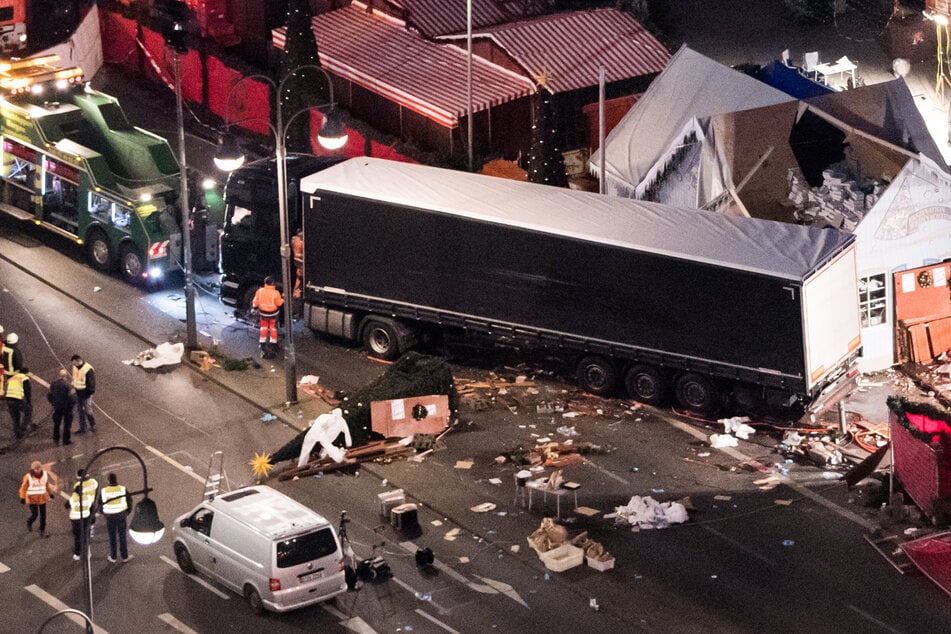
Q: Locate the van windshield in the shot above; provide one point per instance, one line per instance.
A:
(304, 548)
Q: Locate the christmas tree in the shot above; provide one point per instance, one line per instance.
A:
(545, 162)
(302, 87)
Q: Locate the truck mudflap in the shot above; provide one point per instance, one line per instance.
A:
(834, 392)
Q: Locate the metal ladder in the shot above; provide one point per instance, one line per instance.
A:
(216, 474)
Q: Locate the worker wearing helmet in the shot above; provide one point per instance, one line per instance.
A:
(268, 302)
(12, 355)
(19, 401)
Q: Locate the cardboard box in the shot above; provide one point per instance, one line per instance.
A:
(601, 566)
(390, 500)
(404, 417)
(562, 558)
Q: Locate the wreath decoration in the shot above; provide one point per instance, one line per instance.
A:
(420, 412)
(924, 279)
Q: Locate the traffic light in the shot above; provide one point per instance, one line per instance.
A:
(171, 17)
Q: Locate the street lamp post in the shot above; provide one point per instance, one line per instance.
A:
(174, 15)
(145, 527)
(331, 136)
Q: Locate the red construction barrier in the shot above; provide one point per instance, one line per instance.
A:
(118, 39)
(932, 555)
(250, 101)
(922, 452)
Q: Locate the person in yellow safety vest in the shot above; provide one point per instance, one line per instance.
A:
(82, 510)
(19, 396)
(37, 487)
(115, 506)
(84, 382)
(268, 302)
(12, 355)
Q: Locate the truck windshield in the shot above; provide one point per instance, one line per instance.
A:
(304, 548)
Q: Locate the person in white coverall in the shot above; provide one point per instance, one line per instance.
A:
(324, 430)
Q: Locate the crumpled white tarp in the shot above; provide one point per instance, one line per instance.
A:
(719, 441)
(646, 512)
(737, 426)
(162, 354)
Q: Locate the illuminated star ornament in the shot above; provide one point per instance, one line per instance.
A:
(261, 464)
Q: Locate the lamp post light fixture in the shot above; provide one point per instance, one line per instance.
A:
(145, 528)
(229, 157)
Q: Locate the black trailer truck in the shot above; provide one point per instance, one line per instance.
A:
(650, 299)
(250, 248)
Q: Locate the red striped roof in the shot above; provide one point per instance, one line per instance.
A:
(568, 48)
(440, 17)
(379, 54)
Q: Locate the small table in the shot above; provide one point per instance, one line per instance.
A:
(840, 67)
(541, 484)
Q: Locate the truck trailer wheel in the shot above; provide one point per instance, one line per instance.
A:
(696, 393)
(645, 385)
(381, 339)
(99, 251)
(597, 375)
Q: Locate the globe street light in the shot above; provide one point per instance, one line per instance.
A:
(146, 527)
(228, 157)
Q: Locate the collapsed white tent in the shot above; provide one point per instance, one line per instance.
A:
(691, 87)
(748, 161)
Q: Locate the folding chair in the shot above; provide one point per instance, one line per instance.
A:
(809, 62)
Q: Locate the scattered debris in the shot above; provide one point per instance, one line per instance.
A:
(719, 441)
(161, 355)
(646, 512)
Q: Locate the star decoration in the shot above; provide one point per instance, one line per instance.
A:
(261, 464)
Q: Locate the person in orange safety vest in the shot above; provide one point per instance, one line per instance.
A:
(268, 302)
(297, 247)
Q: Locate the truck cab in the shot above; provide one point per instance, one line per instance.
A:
(251, 239)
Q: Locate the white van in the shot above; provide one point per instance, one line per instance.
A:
(274, 551)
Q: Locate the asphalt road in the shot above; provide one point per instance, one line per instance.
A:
(750, 558)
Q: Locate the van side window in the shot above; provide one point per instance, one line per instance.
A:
(304, 548)
(201, 521)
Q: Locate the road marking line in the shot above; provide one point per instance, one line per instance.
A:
(59, 606)
(606, 472)
(414, 592)
(871, 618)
(4, 568)
(740, 546)
(175, 463)
(432, 618)
(195, 578)
(334, 612)
(175, 624)
(792, 484)
(356, 624)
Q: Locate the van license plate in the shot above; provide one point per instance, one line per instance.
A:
(311, 576)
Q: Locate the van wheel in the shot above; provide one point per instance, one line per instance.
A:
(645, 385)
(597, 375)
(184, 559)
(381, 340)
(254, 600)
(696, 393)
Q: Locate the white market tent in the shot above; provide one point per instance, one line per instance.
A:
(692, 86)
(741, 162)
